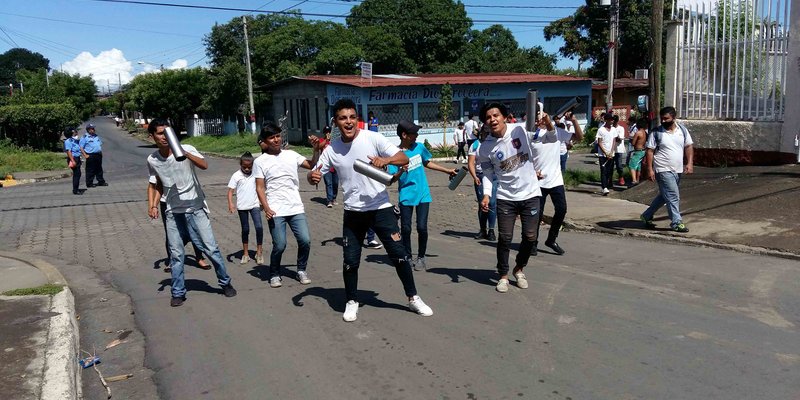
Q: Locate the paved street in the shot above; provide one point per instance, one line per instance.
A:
(614, 318)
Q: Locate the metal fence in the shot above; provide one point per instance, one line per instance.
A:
(731, 58)
(204, 126)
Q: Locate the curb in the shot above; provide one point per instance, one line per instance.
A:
(62, 378)
(760, 251)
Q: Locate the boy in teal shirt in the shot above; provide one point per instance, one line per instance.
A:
(414, 190)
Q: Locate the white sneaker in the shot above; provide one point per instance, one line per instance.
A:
(522, 283)
(350, 311)
(245, 259)
(418, 306)
(302, 276)
(374, 244)
(502, 285)
(606, 191)
(260, 259)
(275, 281)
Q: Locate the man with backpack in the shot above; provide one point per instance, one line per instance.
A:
(668, 147)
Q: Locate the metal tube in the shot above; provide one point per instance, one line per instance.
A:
(371, 172)
(531, 110)
(569, 105)
(174, 144)
(456, 180)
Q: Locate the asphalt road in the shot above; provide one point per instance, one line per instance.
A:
(614, 318)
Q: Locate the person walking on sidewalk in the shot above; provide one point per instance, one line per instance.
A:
(607, 142)
(669, 155)
(366, 203)
(73, 149)
(92, 149)
(546, 149)
(278, 188)
(506, 155)
(460, 139)
(243, 185)
(620, 151)
(187, 213)
(414, 190)
(331, 178)
(638, 142)
(486, 219)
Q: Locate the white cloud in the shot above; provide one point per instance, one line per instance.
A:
(110, 67)
(107, 68)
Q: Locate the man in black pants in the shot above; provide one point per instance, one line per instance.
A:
(73, 149)
(366, 203)
(92, 149)
(546, 160)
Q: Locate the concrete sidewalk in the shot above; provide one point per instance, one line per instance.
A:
(38, 334)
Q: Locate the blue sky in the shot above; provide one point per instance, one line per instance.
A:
(79, 35)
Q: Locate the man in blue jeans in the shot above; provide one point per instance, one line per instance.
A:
(186, 211)
(278, 190)
(366, 203)
(668, 147)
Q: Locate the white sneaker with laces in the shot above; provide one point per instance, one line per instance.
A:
(245, 259)
(606, 191)
(502, 285)
(302, 276)
(350, 311)
(260, 259)
(418, 306)
(275, 281)
(374, 244)
(522, 283)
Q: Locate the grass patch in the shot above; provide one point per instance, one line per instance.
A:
(235, 145)
(44, 290)
(18, 159)
(573, 177)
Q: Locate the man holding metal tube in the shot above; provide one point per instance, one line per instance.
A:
(187, 212)
(366, 202)
(505, 155)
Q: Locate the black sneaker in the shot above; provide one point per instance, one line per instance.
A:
(480, 235)
(78, 192)
(535, 249)
(648, 223)
(490, 236)
(228, 290)
(177, 301)
(556, 248)
(102, 184)
(90, 186)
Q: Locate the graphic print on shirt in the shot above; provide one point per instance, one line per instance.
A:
(414, 162)
(514, 162)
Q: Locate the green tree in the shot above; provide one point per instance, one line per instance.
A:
(18, 59)
(77, 90)
(445, 109)
(173, 94)
(585, 35)
(433, 33)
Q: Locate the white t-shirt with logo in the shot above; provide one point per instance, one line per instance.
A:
(606, 137)
(509, 158)
(547, 156)
(182, 191)
(360, 192)
(245, 187)
(279, 173)
(669, 156)
(473, 151)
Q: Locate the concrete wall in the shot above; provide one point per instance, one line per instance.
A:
(791, 126)
(731, 143)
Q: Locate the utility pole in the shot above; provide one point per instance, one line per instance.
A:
(612, 52)
(657, 26)
(252, 117)
(119, 80)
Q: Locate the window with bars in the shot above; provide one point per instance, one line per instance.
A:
(429, 116)
(389, 115)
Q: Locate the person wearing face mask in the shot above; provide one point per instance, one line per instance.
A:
(669, 155)
(73, 149)
(278, 189)
(243, 185)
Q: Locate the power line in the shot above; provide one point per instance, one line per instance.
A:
(9, 37)
(291, 7)
(97, 25)
(293, 13)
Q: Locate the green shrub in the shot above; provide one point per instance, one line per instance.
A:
(16, 159)
(235, 145)
(589, 136)
(428, 146)
(38, 126)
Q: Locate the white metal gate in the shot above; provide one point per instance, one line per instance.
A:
(732, 58)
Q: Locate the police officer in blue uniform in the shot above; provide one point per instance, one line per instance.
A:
(92, 149)
(73, 149)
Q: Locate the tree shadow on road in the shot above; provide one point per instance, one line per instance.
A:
(471, 235)
(337, 241)
(483, 276)
(192, 285)
(336, 298)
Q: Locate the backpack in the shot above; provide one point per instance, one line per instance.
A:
(660, 130)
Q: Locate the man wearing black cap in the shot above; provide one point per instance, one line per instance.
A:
(366, 203)
(92, 149)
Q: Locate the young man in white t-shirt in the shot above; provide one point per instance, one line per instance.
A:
(278, 189)
(619, 153)
(547, 162)
(460, 140)
(471, 128)
(668, 147)
(505, 155)
(187, 214)
(606, 139)
(366, 203)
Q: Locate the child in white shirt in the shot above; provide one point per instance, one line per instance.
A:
(243, 184)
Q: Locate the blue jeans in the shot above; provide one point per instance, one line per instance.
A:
(244, 220)
(197, 227)
(487, 219)
(668, 193)
(564, 158)
(384, 222)
(331, 185)
(406, 212)
(277, 228)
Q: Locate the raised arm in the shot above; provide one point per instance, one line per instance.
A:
(200, 162)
